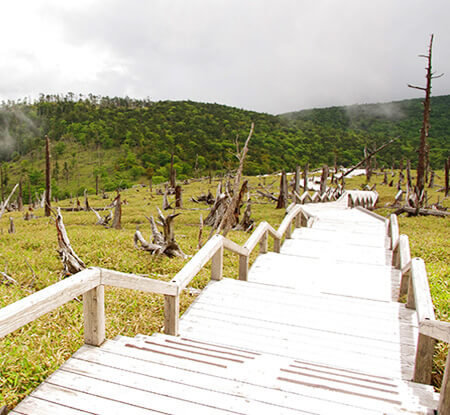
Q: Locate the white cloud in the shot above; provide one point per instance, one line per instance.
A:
(267, 55)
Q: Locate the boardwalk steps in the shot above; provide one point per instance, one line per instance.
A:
(315, 329)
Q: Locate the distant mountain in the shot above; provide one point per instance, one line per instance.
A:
(123, 140)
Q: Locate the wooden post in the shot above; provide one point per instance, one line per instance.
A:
(276, 245)
(243, 267)
(94, 316)
(410, 302)
(405, 257)
(289, 231)
(217, 265)
(444, 402)
(263, 244)
(424, 359)
(394, 230)
(48, 190)
(298, 220)
(171, 314)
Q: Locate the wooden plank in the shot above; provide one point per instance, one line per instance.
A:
(444, 402)
(234, 247)
(404, 260)
(30, 308)
(439, 330)
(135, 282)
(255, 237)
(87, 400)
(94, 316)
(36, 406)
(394, 230)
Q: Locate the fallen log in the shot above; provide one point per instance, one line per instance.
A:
(422, 212)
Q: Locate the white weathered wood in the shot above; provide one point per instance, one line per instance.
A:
(403, 261)
(21, 312)
(444, 401)
(94, 316)
(243, 267)
(190, 270)
(234, 247)
(135, 282)
(439, 330)
(263, 244)
(394, 230)
(373, 214)
(422, 296)
(286, 223)
(171, 314)
(424, 359)
(217, 265)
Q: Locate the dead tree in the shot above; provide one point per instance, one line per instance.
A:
(431, 182)
(166, 204)
(20, 197)
(173, 173)
(2, 210)
(104, 221)
(385, 180)
(446, 174)
(200, 233)
(86, 201)
(162, 244)
(228, 217)
(117, 220)
(368, 166)
(323, 179)
(368, 157)
(2, 183)
(246, 224)
(48, 188)
(305, 177)
(408, 175)
(178, 199)
(421, 165)
(297, 182)
(282, 198)
(71, 262)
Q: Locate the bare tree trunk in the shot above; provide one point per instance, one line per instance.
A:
(282, 198)
(200, 233)
(178, 199)
(305, 177)
(421, 166)
(323, 179)
(1, 183)
(20, 197)
(12, 228)
(297, 182)
(446, 173)
(96, 185)
(173, 180)
(385, 181)
(48, 189)
(117, 220)
(368, 165)
(431, 182)
(408, 175)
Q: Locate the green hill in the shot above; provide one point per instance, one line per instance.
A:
(123, 140)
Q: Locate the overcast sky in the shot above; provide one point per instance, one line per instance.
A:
(266, 55)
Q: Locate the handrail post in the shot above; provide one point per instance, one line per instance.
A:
(404, 258)
(217, 265)
(94, 316)
(394, 230)
(171, 314)
(263, 244)
(243, 267)
(444, 401)
(298, 220)
(289, 231)
(304, 219)
(424, 359)
(276, 245)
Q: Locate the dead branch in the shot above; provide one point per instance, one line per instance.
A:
(2, 211)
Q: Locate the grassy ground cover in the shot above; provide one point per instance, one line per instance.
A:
(30, 354)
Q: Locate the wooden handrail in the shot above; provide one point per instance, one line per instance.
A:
(439, 330)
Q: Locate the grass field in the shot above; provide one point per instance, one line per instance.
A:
(30, 354)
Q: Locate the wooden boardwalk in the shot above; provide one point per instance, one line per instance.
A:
(316, 329)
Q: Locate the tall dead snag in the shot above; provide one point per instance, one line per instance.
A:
(282, 198)
(86, 201)
(305, 177)
(71, 262)
(2, 210)
(421, 165)
(385, 180)
(2, 183)
(12, 228)
(161, 245)
(368, 165)
(227, 221)
(446, 173)
(117, 219)
(297, 183)
(20, 197)
(408, 176)
(323, 179)
(431, 182)
(178, 199)
(48, 188)
(173, 173)
(200, 233)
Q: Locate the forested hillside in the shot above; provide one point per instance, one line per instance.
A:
(122, 140)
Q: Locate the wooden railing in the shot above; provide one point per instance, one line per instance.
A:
(414, 285)
(91, 282)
